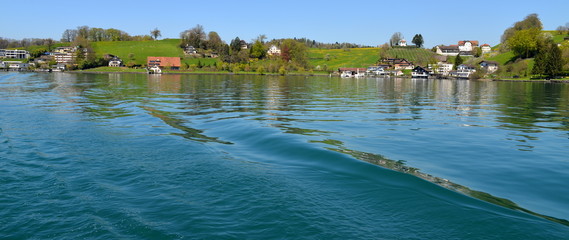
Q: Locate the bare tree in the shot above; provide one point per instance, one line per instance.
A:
(395, 38)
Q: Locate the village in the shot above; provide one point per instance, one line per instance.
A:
(443, 68)
(62, 57)
(443, 63)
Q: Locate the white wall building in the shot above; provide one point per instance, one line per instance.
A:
(18, 54)
(486, 48)
(274, 51)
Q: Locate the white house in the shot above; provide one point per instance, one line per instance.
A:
(486, 48)
(463, 71)
(274, 51)
(451, 50)
(467, 45)
(489, 66)
(376, 70)
(115, 62)
(18, 54)
(403, 43)
(16, 65)
(442, 68)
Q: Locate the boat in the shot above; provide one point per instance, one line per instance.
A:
(154, 70)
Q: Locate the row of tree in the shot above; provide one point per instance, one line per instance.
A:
(100, 34)
(26, 42)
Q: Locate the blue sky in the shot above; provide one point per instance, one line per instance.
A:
(364, 22)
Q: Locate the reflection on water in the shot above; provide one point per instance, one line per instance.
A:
(361, 118)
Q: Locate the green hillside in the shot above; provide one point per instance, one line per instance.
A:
(418, 56)
(337, 58)
(140, 49)
(364, 57)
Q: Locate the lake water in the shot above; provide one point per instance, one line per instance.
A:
(132, 156)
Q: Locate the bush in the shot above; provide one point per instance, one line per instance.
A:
(282, 70)
(261, 70)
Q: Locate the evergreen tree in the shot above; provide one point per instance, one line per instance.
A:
(457, 61)
(548, 61)
(418, 40)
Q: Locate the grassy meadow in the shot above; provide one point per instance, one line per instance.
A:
(337, 58)
(140, 49)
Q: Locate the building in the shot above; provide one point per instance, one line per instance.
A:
(464, 48)
(463, 71)
(16, 54)
(190, 50)
(376, 70)
(243, 45)
(65, 50)
(15, 65)
(443, 68)
(489, 66)
(64, 58)
(451, 50)
(486, 48)
(419, 72)
(115, 62)
(403, 43)
(274, 51)
(397, 63)
(467, 45)
(172, 63)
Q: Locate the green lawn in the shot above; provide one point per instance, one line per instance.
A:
(502, 58)
(140, 49)
(364, 57)
(418, 56)
(337, 58)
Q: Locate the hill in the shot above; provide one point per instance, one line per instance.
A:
(364, 57)
(418, 56)
(140, 50)
(331, 58)
(337, 58)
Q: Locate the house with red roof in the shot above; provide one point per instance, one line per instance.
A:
(467, 45)
(486, 48)
(172, 63)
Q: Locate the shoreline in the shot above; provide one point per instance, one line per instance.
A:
(300, 74)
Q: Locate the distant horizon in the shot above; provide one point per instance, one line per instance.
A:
(365, 22)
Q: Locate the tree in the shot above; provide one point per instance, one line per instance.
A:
(549, 60)
(294, 52)
(83, 32)
(214, 42)
(418, 40)
(258, 50)
(457, 61)
(194, 37)
(155, 33)
(235, 45)
(69, 35)
(477, 52)
(395, 38)
(384, 51)
(531, 21)
(524, 43)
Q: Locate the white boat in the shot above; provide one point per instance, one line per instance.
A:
(154, 70)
